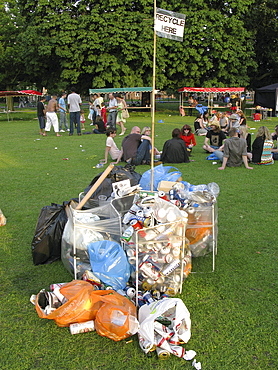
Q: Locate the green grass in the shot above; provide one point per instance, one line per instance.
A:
(233, 310)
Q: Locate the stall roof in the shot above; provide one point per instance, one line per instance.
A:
(120, 90)
(4, 94)
(212, 89)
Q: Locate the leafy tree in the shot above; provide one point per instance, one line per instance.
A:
(11, 65)
(110, 43)
(263, 21)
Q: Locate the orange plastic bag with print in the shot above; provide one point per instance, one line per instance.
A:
(116, 319)
(82, 304)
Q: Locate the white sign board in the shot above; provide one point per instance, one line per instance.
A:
(169, 24)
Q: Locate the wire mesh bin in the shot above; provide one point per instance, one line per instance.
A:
(162, 258)
(201, 231)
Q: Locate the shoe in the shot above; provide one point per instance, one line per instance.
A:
(68, 129)
(83, 129)
(70, 134)
(92, 124)
(79, 134)
(62, 131)
(58, 135)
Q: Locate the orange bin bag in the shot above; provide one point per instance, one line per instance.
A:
(82, 305)
(115, 317)
(196, 233)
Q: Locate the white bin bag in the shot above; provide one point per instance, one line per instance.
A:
(178, 328)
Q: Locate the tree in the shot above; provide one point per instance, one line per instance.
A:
(11, 65)
(262, 20)
(110, 44)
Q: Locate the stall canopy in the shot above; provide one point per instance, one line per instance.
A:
(212, 89)
(120, 90)
(4, 94)
(267, 97)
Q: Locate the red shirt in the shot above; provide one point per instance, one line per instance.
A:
(103, 115)
(189, 139)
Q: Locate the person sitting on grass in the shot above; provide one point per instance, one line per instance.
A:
(188, 137)
(174, 150)
(234, 151)
(100, 126)
(214, 138)
(111, 146)
(262, 147)
(135, 148)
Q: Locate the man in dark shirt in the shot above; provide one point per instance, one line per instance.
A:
(214, 138)
(174, 150)
(135, 148)
(41, 114)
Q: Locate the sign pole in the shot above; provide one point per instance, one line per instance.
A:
(153, 100)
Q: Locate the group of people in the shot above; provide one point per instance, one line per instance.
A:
(47, 115)
(136, 147)
(237, 149)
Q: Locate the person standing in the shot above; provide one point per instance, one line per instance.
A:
(41, 114)
(74, 103)
(112, 109)
(51, 116)
(63, 113)
(120, 120)
(96, 103)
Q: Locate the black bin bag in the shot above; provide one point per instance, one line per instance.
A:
(46, 244)
(118, 173)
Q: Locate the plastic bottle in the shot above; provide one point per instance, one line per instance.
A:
(99, 165)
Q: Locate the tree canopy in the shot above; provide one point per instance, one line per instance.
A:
(96, 44)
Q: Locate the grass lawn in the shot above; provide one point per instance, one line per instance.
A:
(233, 310)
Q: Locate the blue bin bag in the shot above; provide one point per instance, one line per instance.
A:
(161, 173)
(109, 263)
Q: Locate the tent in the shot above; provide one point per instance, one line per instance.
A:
(12, 94)
(267, 97)
(210, 91)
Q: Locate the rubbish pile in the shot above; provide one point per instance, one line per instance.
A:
(134, 250)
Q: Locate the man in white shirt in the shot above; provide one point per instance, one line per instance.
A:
(112, 109)
(74, 103)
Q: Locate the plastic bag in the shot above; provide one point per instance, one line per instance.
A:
(153, 333)
(161, 173)
(109, 263)
(2, 219)
(46, 244)
(116, 318)
(82, 304)
(118, 173)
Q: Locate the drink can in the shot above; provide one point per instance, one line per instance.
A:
(147, 269)
(131, 252)
(147, 284)
(136, 224)
(156, 294)
(132, 260)
(147, 258)
(162, 195)
(130, 291)
(148, 211)
(131, 213)
(148, 297)
(57, 285)
(171, 267)
(128, 234)
(82, 327)
(162, 354)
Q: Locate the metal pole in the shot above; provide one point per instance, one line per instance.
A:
(153, 100)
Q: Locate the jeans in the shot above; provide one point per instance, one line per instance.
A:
(143, 153)
(63, 121)
(219, 154)
(75, 118)
(111, 121)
